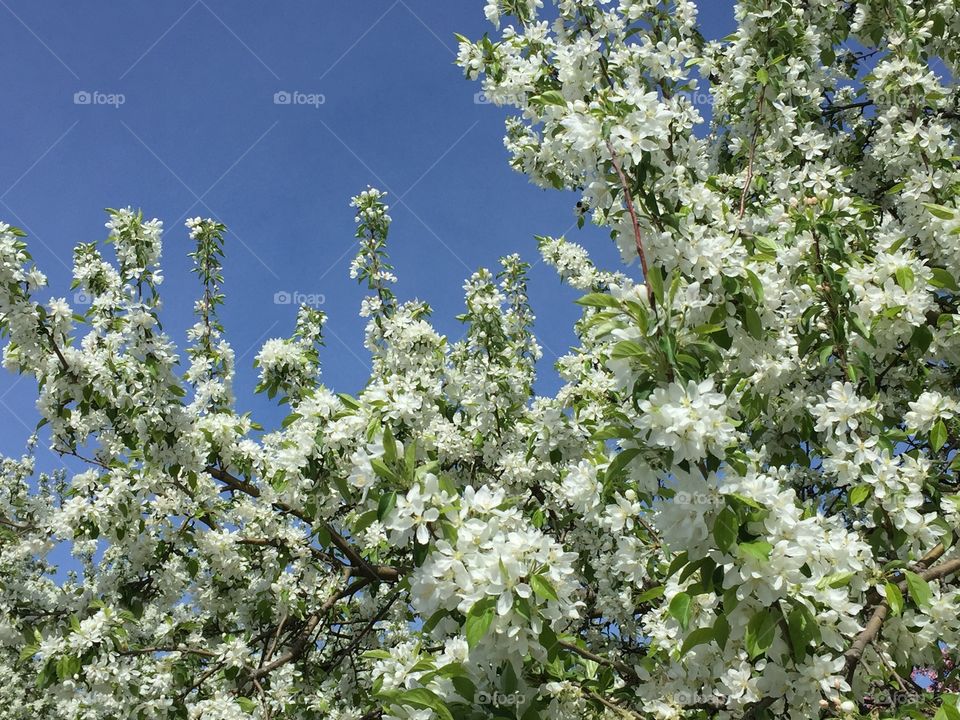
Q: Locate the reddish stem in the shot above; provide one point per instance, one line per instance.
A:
(638, 237)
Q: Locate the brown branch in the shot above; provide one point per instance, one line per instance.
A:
(827, 290)
(872, 628)
(833, 109)
(610, 705)
(271, 647)
(620, 667)
(931, 557)
(63, 361)
(15, 526)
(385, 573)
(286, 545)
(758, 707)
(753, 152)
(171, 649)
(299, 646)
(213, 670)
(637, 235)
(338, 658)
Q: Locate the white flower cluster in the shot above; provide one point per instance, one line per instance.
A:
(742, 502)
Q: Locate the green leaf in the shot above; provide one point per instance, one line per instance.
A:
(765, 245)
(802, 627)
(478, 620)
(548, 639)
(948, 709)
(431, 623)
(825, 352)
(759, 549)
(721, 631)
(410, 458)
(679, 609)
(550, 97)
(67, 667)
(940, 211)
(599, 300)
(944, 279)
(246, 704)
(918, 587)
(754, 324)
(709, 328)
(678, 562)
(748, 501)
(938, 436)
(725, 528)
(756, 285)
(377, 654)
(349, 401)
(763, 77)
(761, 631)
(835, 581)
(365, 521)
(655, 280)
(381, 469)
(386, 504)
(921, 338)
(543, 587)
(508, 678)
(905, 278)
(613, 432)
(627, 349)
(651, 594)
(859, 494)
(422, 698)
(894, 598)
(700, 636)
(389, 445)
(619, 463)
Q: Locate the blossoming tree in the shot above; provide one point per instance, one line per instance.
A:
(741, 504)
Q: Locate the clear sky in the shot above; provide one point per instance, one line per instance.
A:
(199, 132)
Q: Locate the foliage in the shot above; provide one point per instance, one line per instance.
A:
(742, 502)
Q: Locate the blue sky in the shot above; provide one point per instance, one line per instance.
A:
(199, 133)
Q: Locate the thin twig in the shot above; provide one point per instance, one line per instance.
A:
(637, 235)
(753, 153)
(299, 646)
(620, 667)
(378, 572)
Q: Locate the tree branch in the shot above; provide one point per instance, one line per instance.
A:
(753, 153)
(299, 646)
(385, 573)
(870, 630)
(637, 235)
(620, 667)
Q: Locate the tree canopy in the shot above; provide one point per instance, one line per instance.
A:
(742, 502)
